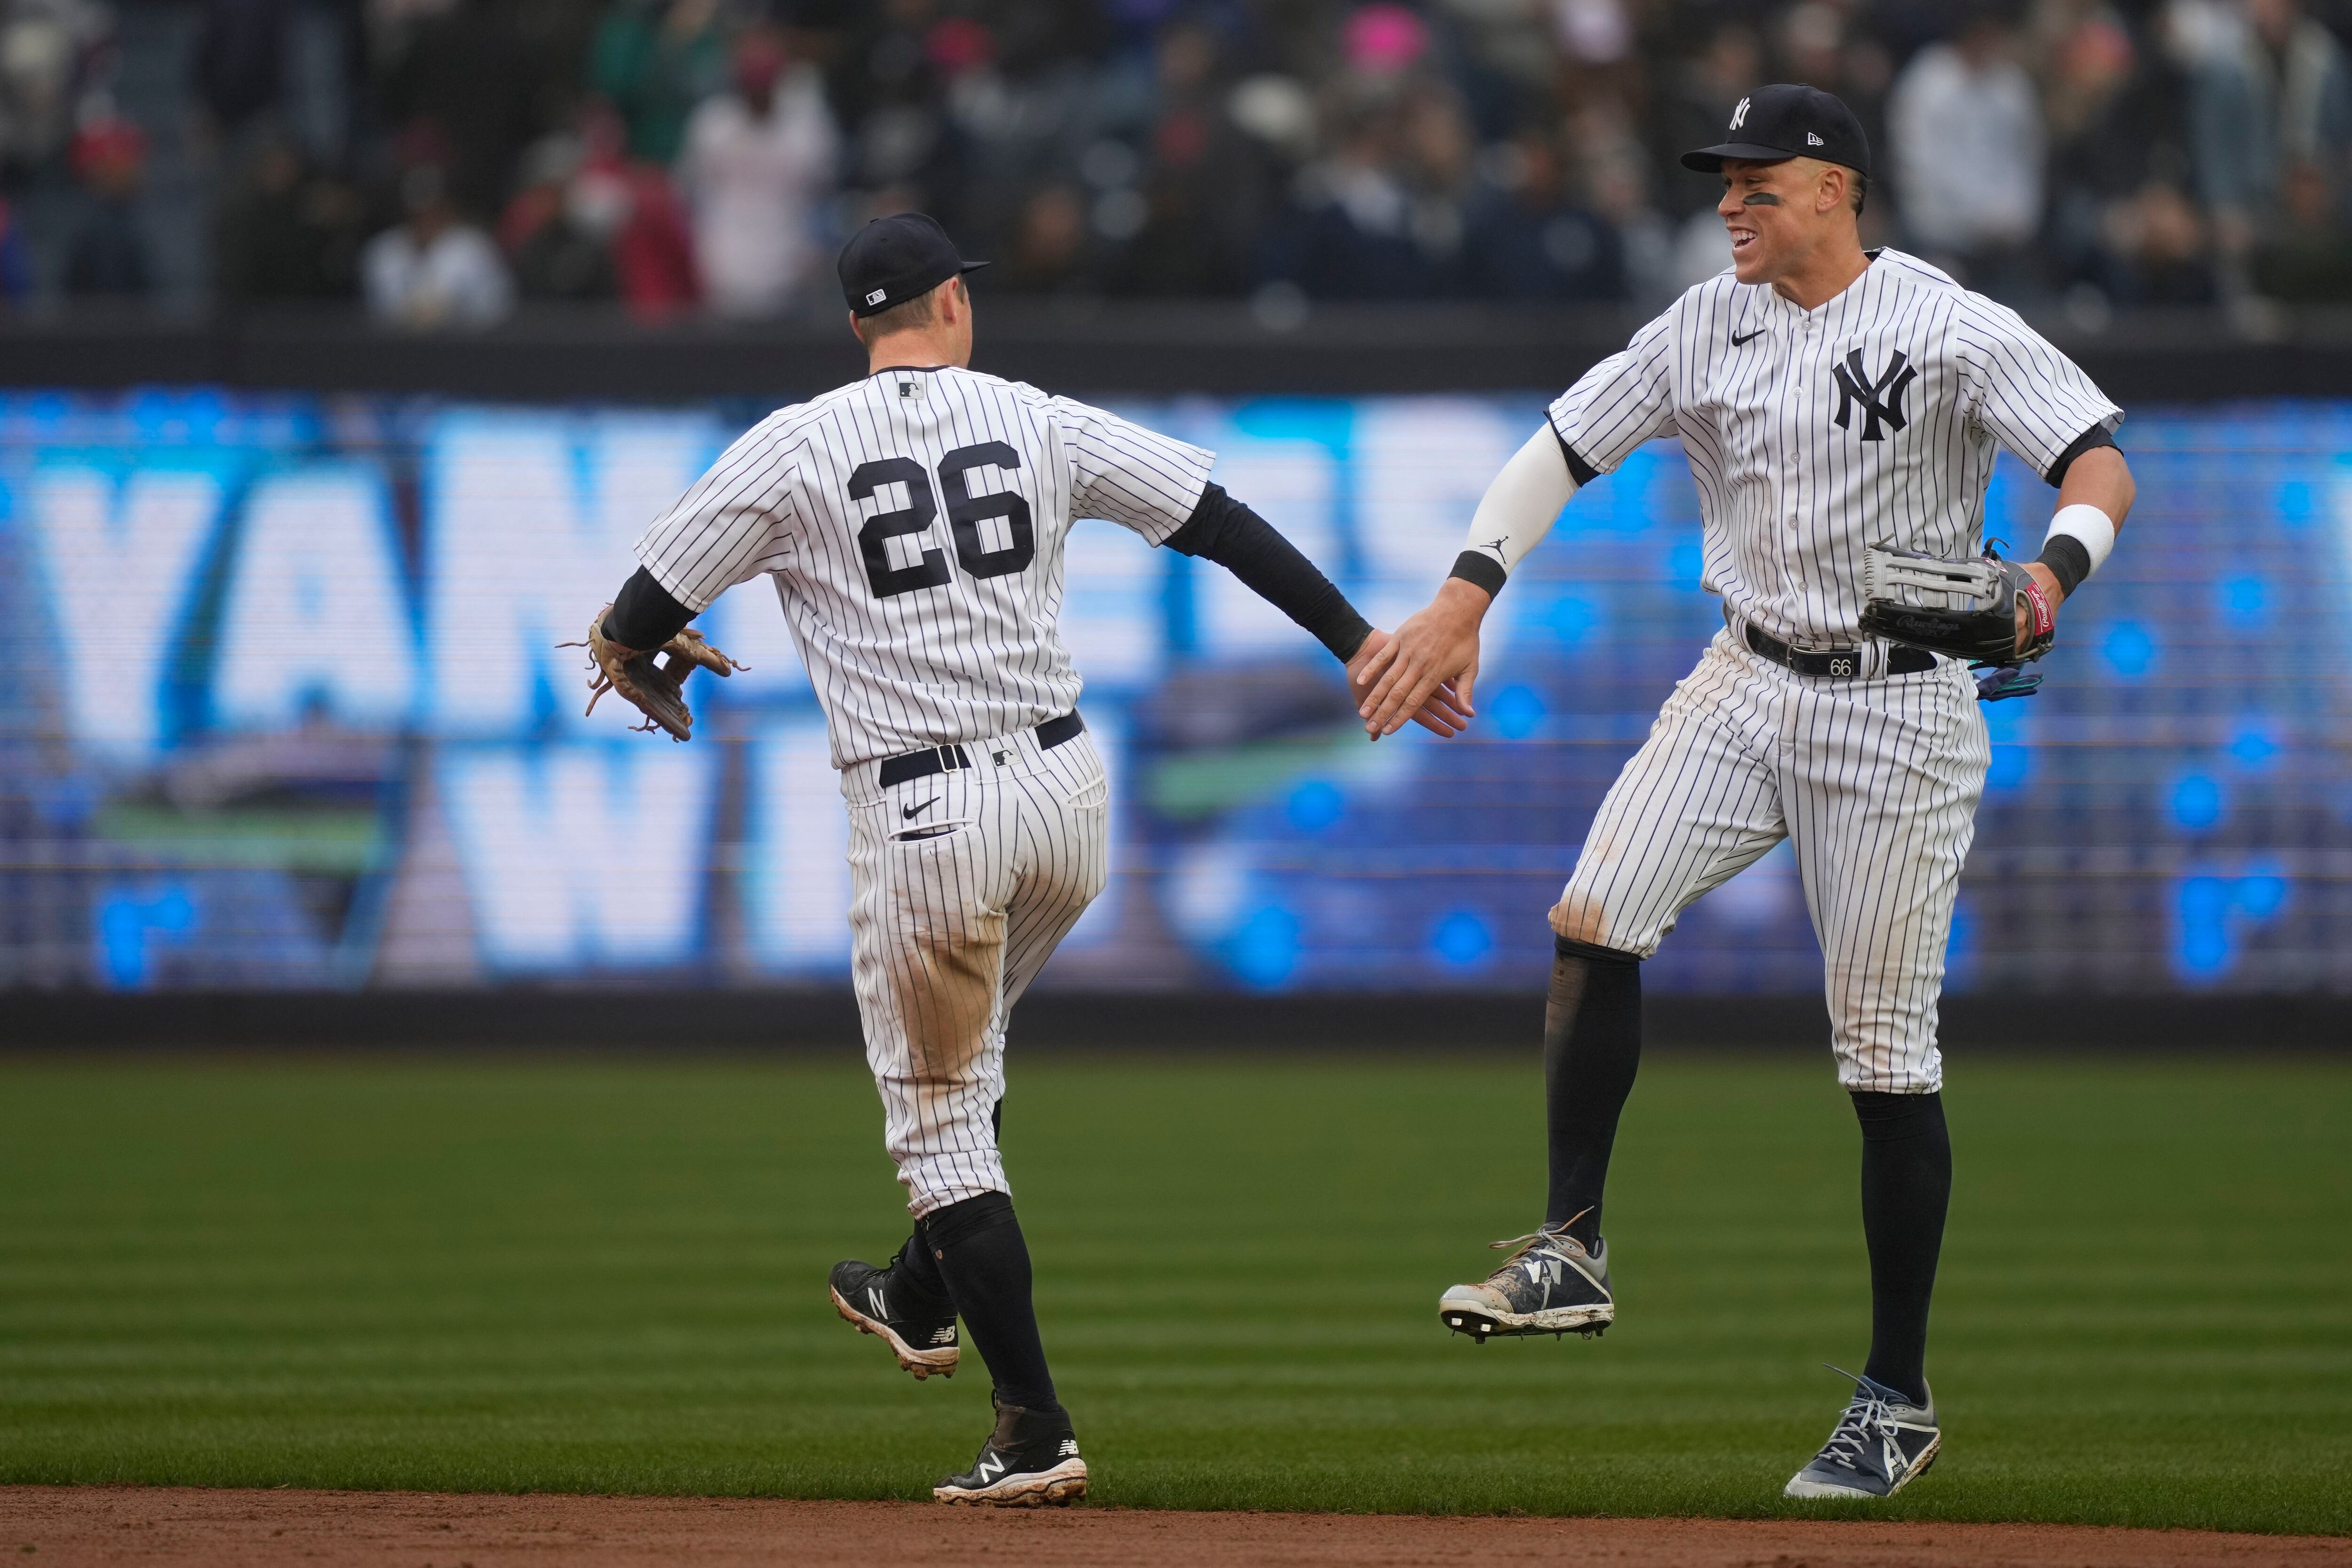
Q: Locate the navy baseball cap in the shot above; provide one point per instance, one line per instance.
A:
(894, 259)
(1785, 120)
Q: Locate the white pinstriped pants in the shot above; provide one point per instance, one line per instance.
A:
(948, 929)
(1875, 781)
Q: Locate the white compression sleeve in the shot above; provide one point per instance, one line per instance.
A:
(1518, 510)
(2089, 524)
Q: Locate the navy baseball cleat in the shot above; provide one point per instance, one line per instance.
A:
(1882, 1442)
(1030, 1459)
(1550, 1286)
(922, 1332)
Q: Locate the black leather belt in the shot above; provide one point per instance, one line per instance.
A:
(1838, 664)
(949, 759)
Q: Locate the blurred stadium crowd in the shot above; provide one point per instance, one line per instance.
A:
(443, 159)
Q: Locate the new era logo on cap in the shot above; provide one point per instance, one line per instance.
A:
(1814, 140)
(876, 297)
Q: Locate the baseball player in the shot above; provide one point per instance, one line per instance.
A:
(914, 524)
(1840, 409)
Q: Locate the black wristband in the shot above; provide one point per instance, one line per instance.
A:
(644, 616)
(2069, 560)
(1480, 571)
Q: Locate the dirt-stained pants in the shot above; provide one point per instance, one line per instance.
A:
(963, 885)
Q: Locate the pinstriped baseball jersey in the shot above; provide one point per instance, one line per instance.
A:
(914, 522)
(1870, 418)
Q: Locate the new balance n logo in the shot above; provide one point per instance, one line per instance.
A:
(1881, 400)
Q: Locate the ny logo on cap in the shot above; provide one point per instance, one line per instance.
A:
(876, 297)
(1881, 400)
(1740, 115)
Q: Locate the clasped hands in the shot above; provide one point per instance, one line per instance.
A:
(1422, 672)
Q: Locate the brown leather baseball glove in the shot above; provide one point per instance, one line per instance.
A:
(655, 690)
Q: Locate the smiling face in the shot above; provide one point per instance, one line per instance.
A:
(1781, 215)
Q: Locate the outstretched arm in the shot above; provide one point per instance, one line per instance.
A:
(1222, 530)
(1438, 648)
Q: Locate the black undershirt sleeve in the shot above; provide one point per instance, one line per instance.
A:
(1222, 530)
(1583, 472)
(644, 616)
(2090, 440)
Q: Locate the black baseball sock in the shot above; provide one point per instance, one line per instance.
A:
(1906, 1185)
(1592, 1047)
(980, 1252)
(920, 1269)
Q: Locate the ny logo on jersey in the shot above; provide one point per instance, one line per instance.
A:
(1740, 115)
(1881, 400)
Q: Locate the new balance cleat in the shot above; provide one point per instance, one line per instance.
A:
(920, 1331)
(1550, 1286)
(1882, 1444)
(1030, 1459)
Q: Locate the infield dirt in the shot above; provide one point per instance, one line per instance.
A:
(201, 1528)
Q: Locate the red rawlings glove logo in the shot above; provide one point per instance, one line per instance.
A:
(2045, 619)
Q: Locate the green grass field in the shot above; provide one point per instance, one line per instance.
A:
(607, 1275)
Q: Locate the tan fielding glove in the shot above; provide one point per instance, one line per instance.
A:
(656, 690)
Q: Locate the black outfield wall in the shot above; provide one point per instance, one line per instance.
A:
(1134, 348)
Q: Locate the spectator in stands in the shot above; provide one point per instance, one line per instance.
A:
(631, 205)
(2114, 115)
(46, 48)
(1197, 199)
(889, 83)
(285, 232)
(757, 166)
(1050, 252)
(1021, 102)
(1529, 240)
(2307, 260)
(1609, 167)
(1350, 232)
(462, 74)
(554, 254)
(1965, 127)
(435, 271)
(2162, 251)
(106, 255)
(654, 61)
(2269, 95)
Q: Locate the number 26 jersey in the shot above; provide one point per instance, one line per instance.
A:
(914, 524)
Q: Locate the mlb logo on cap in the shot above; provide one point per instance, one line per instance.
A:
(897, 259)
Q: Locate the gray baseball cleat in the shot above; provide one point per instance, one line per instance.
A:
(1882, 1444)
(1550, 1286)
